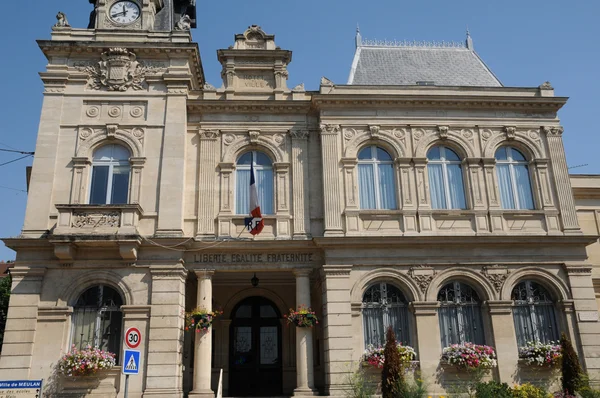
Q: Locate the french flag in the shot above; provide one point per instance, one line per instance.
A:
(255, 223)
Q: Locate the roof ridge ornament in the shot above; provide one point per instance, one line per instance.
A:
(469, 41)
(413, 43)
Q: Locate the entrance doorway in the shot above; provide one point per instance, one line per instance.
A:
(255, 365)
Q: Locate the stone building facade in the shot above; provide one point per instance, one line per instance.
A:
(435, 201)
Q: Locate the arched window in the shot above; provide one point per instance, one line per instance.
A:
(534, 314)
(263, 171)
(513, 178)
(460, 315)
(384, 305)
(97, 319)
(110, 175)
(445, 179)
(376, 179)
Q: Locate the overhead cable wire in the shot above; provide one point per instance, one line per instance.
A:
(14, 160)
(13, 189)
(16, 151)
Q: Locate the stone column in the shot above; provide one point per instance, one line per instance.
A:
(203, 340)
(165, 338)
(337, 328)
(172, 171)
(505, 339)
(407, 200)
(207, 182)
(21, 323)
(478, 195)
(331, 180)
(429, 342)
(304, 338)
(566, 203)
(585, 318)
(300, 194)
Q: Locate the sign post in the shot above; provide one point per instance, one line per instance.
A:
(131, 357)
(21, 388)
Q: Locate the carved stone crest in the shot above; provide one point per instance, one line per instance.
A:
(117, 71)
(443, 132)
(422, 275)
(96, 219)
(374, 132)
(254, 136)
(510, 132)
(496, 274)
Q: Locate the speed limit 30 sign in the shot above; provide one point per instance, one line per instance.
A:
(133, 337)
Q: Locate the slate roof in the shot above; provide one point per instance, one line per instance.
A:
(439, 64)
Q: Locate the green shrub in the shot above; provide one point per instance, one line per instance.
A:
(492, 389)
(360, 385)
(416, 388)
(392, 373)
(529, 391)
(587, 392)
(572, 375)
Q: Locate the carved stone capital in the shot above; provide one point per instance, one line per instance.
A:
(207, 134)
(330, 129)
(510, 132)
(299, 134)
(578, 270)
(80, 162)
(204, 273)
(302, 272)
(554, 130)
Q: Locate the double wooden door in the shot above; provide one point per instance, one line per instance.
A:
(255, 365)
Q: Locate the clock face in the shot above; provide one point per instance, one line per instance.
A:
(124, 12)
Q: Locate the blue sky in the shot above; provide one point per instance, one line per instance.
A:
(524, 42)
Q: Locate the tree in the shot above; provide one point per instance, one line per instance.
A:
(572, 375)
(5, 285)
(391, 375)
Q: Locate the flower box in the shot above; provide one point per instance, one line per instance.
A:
(199, 319)
(103, 383)
(470, 356)
(303, 317)
(373, 356)
(536, 353)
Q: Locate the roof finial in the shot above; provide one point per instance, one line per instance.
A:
(358, 36)
(469, 41)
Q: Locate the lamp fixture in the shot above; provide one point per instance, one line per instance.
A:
(254, 280)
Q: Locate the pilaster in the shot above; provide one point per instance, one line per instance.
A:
(505, 338)
(566, 203)
(80, 166)
(172, 171)
(585, 316)
(337, 327)
(331, 180)
(165, 338)
(207, 159)
(304, 338)
(300, 194)
(428, 340)
(16, 361)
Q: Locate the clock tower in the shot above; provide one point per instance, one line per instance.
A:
(149, 15)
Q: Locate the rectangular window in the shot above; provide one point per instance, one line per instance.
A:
(99, 185)
(120, 184)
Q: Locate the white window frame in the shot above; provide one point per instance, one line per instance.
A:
(511, 162)
(445, 162)
(257, 167)
(111, 165)
(374, 163)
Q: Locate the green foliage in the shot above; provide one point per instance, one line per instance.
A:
(529, 391)
(493, 389)
(572, 375)
(391, 375)
(587, 392)
(412, 389)
(5, 284)
(360, 385)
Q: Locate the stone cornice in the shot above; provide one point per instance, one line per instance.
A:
(552, 104)
(244, 106)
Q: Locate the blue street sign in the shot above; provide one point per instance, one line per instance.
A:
(131, 362)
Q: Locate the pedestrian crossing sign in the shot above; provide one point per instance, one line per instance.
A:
(131, 362)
